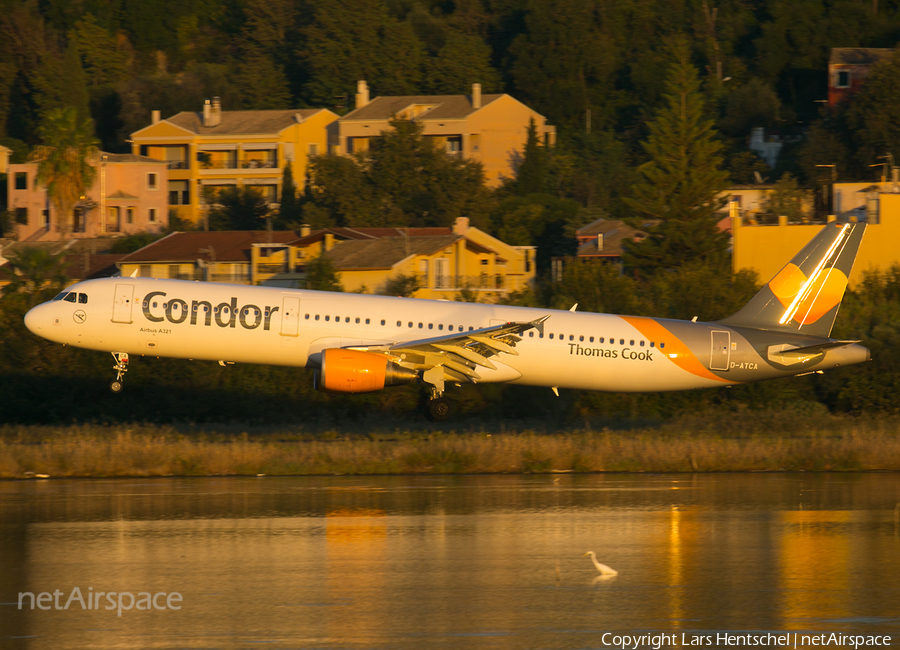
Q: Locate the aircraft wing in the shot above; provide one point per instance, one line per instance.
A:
(459, 355)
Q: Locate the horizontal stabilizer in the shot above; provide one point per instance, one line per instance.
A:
(788, 355)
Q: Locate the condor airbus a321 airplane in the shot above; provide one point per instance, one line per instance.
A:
(359, 343)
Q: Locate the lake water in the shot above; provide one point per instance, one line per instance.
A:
(449, 562)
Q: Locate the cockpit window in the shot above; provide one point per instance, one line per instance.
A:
(62, 295)
(71, 297)
(82, 298)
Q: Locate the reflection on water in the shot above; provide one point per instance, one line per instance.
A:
(450, 562)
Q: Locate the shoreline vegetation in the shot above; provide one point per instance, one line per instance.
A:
(759, 442)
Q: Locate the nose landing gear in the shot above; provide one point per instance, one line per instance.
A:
(121, 368)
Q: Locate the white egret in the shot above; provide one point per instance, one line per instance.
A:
(602, 568)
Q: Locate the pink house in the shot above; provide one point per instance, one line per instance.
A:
(129, 195)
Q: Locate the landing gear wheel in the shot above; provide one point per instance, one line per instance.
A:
(439, 409)
(115, 386)
(121, 368)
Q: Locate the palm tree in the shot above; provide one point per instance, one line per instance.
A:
(64, 160)
(34, 270)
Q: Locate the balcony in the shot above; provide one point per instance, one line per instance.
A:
(483, 282)
(271, 268)
(177, 164)
(259, 164)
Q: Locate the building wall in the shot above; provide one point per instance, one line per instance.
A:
(128, 178)
(503, 129)
(295, 143)
(766, 249)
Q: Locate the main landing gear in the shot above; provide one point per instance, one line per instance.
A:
(121, 368)
(439, 407)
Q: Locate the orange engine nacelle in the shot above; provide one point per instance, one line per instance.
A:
(352, 371)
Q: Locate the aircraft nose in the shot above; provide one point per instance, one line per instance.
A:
(34, 321)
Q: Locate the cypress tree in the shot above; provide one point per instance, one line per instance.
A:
(289, 210)
(532, 173)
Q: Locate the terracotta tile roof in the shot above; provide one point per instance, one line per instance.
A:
(858, 55)
(614, 233)
(98, 265)
(243, 122)
(385, 252)
(446, 107)
(229, 246)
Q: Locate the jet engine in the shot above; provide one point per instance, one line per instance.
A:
(353, 371)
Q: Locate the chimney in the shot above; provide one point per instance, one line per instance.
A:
(362, 93)
(304, 230)
(154, 117)
(215, 118)
(476, 95)
(207, 112)
(461, 225)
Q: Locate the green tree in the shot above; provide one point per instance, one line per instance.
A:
(36, 271)
(874, 113)
(64, 161)
(239, 208)
(321, 274)
(788, 199)
(531, 176)
(400, 285)
(462, 60)
(680, 181)
(289, 212)
(263, 82)
(350, 40)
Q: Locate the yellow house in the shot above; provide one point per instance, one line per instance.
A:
(443, 261)
(215, 149)
(491, 129)
(766, 249)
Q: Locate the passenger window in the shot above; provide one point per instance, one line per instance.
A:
(662, 345)
(621, 341)
(601, 340)
(71, 297)
(531, 335)
(572, 337)
(82, 298)
(154, 304)
(420, 325)
(592, 339)
(307, 317)
(440, 327)
(631, 342)
(541, 335)
(470, 328)
(642, 344)
(357, 321)
(551, 336)
(347, 319)
(410, 323)
(581, 338)
(652, 344)
(317, 317)
(367, 322)
(431, 326)
(327, 318)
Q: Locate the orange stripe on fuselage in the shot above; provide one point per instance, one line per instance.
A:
(684, 358)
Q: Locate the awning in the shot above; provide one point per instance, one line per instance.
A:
(261, 181)
(220, 181)
(216, 147)
(259, 146)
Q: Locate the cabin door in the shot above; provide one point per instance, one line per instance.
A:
(122, 303)
(290, 316)
(720, 354)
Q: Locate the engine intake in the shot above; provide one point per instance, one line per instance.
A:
(353, 371)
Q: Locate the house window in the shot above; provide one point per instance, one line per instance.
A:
(313, 149)
(843, 79)
(152, 181)
(179, 193)
(151, 215)
(129, 215)
(21, 180)
(112, 219)
(22, 215)
(146, 271)
(475, 140)
(174, 271)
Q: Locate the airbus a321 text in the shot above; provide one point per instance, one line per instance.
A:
(359, 343)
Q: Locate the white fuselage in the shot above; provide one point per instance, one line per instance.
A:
(263, 325)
